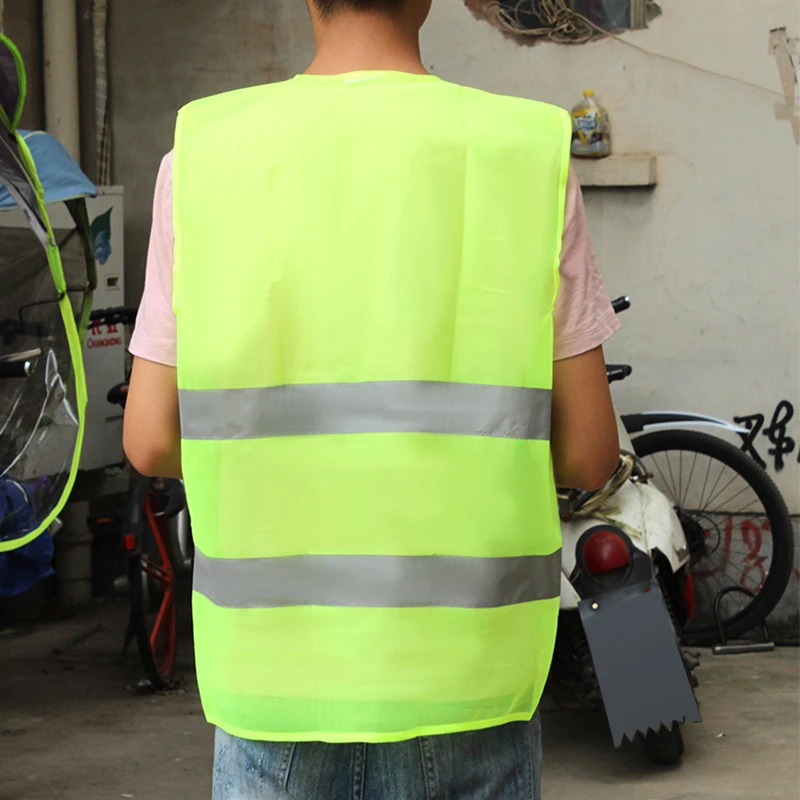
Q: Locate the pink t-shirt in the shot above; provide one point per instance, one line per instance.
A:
(583, 315)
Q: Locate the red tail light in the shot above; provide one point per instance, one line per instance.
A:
(604, 551)
(129, 542)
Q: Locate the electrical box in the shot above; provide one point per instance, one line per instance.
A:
(106, 346)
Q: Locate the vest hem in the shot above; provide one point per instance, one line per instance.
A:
(368, 738)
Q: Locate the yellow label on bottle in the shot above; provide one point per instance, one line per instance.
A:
(586, 122)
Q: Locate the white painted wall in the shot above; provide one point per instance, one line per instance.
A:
(711, 257)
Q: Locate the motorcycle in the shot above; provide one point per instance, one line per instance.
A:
(621, 537)
(627, 546)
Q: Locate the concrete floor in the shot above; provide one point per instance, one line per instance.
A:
(72, 727)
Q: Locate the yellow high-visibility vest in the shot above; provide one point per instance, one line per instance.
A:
(366, 268)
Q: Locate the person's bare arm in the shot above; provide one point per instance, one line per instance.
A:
(152, 435)
(584, 438)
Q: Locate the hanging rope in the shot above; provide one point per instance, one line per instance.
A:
(559, 22)
(578, 29)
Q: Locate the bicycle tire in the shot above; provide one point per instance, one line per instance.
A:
(158, 665)
(776, 512)
(155, 675)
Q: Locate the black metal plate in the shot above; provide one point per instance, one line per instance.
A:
(639, 667)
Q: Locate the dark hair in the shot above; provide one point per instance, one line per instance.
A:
(328, 8)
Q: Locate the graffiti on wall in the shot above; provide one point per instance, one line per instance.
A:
(749, 562)
(781, 445)
(744, 548)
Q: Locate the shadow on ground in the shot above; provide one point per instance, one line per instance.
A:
(74, 727)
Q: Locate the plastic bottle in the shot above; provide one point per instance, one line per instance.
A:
(591, 132)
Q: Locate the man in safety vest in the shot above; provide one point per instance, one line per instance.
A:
(370, 335)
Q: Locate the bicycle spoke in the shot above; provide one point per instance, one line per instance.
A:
(155, 572)
(716, 483)
(711, 584)
(737, 552)
(700, 515)
(689, 481)
(736, 475)
(163, 612)
(724, 513)
(705, 482)
(146, 562)
(721, 587)
(712, 594)
(721, 562)
(739, 511)
(675, 494)
(705, 584)
(665, 484)
(731, 572)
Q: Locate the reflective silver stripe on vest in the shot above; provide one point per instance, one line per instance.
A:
(465, 409)
(377, 581)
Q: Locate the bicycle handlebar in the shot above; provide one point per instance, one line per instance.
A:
(19, 365)
(15, 369)
(618, 372)
(127, 316)
(621, 304)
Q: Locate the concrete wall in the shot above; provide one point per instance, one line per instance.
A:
(22, 22)
(163, 55)
(711, 255)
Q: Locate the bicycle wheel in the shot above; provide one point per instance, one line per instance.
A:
(736, 523)
(152, 582)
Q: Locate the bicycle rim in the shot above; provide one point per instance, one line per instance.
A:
(156, 627)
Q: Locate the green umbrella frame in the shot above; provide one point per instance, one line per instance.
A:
(18, 174)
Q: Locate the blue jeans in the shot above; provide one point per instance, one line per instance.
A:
(503, 763)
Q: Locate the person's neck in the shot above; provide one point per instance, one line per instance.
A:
(358, 42)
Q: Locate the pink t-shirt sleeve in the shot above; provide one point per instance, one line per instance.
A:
(583, 316)
(155, 335)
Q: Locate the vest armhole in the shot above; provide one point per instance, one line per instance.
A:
(177, 169)
(565, 152)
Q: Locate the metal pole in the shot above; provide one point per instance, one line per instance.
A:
(102, 118)
(62, 114)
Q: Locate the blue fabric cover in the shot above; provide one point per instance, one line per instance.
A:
(20, 569)
(59, 173)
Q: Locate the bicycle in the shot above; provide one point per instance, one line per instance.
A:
(156, 549)
(725, 500)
